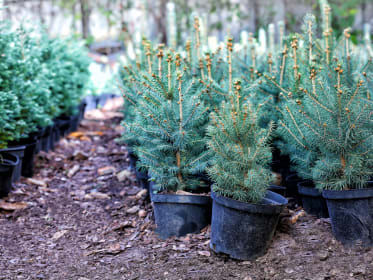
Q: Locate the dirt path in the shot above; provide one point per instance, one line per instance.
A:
(81, 226)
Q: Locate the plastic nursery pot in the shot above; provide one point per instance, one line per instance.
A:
(92, 102)
(8, 163)
(178, 215)
(312, 200)
(277, 189)
(351, 215)
(103, 98)
(244, 230)
(28, 158)
(63, 125)
(18, 151)
(45, 139)
(82, 107)
(291, 184)
(74, 123)
(37, 135)
(54, 137)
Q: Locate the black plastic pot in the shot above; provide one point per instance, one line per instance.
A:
(18, 151)
(37, 135)
(103, 98)
(74, 123)
(244, 230)
(54, 137)
(291, 184)
(312, 200)
(45, 139)
(63, 125)
(351, 215)
(178, 215)
(8, 163)
(277, 189)
(91, 101)
(82, 107)
(28, 158)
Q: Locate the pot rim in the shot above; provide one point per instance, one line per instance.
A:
(181, 198)
(273, 203)
(348, 194)
(9, 160)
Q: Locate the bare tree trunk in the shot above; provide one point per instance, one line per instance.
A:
(40, 12)
(85, 10)
(161, 20)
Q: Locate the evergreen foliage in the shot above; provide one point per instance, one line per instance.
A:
(240, 150)
(38, 81)
(327, 120)
(169, 125)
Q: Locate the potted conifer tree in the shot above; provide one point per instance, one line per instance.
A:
(245, 213)
(331, 124)
(169, 127)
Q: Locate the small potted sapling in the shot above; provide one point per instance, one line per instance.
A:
(170, 129)
(245, 214)
(333, 122)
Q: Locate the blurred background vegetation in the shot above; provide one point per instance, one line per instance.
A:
(126, 20)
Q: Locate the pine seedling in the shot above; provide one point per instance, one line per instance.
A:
(170, 126)
(240, 149)
(331, 124)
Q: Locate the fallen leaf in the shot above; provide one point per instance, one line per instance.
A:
(106, 170)
(133, 209)
(142, 213)
(12, 206)
(37, 182)
(79, 155)
(124, 225)
(142, 194)
(59, 234)
(73, 170)
(204, 253)
(99, 195)
(182, 247)
(75, 135)
(123, 175)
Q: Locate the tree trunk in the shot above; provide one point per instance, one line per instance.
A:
(85, 13)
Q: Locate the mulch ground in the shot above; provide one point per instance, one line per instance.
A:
(81, 223)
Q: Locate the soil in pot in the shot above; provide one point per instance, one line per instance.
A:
(312, 200)
(178, 215)
(8, 163)
(18, 151)
(351, 215)
(243, 230)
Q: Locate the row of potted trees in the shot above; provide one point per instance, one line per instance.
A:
(227, 119)
(41, 88)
